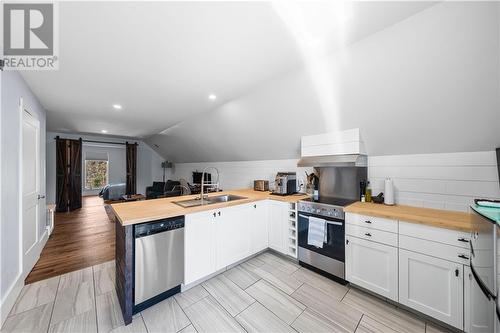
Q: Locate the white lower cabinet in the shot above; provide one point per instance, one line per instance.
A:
(278, 226)
(232, 227)
(373, 266)
(258, 223)
(199, 246)
(478, 312)
(432, 286)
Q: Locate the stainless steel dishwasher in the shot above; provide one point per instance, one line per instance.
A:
(159, 260)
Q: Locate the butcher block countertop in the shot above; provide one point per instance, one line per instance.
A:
(129, 213)
(432, 217)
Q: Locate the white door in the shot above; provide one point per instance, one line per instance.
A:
(30, 184)
(258, 226)
(432, 286)
(478, 311)
(373, 266)
(199, 246)
(277, 225)
(233, 234)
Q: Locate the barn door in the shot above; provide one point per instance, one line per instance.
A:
(131, 187)
(62, 174)
(75, 175)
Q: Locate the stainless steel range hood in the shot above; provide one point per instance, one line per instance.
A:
(347, 160)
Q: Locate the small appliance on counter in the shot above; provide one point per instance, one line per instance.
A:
(261, 185)
(285, 183)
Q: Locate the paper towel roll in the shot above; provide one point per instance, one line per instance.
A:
(389, 192)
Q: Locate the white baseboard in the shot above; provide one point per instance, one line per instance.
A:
(10, 298)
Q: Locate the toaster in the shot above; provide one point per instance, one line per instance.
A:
(261, 185)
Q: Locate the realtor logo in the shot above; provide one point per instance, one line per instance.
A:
(29, 36)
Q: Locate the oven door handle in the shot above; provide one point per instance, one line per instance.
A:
(481, 285)
(326, 221)
(333, 222)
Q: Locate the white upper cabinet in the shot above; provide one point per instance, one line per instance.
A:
(278, 225)
(232, 234)
(258, 224)
(372, 266)
(334, 143)
(432, 286)
(199, 246)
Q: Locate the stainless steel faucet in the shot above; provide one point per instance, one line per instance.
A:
(210, 185)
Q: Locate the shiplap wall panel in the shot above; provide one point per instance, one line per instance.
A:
(448, 181)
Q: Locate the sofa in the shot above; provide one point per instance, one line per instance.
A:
(170, 188)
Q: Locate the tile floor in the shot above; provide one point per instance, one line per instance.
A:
(267, 293)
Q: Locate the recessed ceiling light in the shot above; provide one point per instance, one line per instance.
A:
(104, 131)
(212, 97)
(117, 106)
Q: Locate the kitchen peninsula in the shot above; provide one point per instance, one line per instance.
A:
(215, 235)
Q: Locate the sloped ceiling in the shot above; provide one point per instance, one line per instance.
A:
(407, 73)
(427, 84)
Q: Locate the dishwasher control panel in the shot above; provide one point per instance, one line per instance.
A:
(154, 227)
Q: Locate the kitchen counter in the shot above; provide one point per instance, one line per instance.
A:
(130, 213)
(432, 217)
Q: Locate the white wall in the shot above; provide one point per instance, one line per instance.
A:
(148, 162)
(427, 84)
(13, 87)
(447, 181)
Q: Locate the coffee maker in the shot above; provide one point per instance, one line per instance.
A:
(285, 183)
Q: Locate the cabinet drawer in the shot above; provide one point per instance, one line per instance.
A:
(434, 249)
(442, 235)
(372, 222)
(374, 235)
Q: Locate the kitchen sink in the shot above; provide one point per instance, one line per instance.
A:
(209, 200)
(224, 198)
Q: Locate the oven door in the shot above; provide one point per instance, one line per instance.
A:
(334, 238)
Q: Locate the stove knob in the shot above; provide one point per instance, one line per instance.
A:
(318, 211)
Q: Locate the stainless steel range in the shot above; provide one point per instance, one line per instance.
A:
(321, 223)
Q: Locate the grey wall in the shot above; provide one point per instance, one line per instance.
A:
(427, 84)
(12, 88)
(148, 162)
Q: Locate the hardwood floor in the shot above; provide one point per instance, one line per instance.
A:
(82, 238)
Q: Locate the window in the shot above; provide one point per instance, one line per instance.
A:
(96, 174)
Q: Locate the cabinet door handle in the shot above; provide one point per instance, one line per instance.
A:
(368, 234)
(465, 240)
(219, 213)
(368, 221)
(457, 272)
(463, 256)
(215, 214)
(254, 206)
(346, 241)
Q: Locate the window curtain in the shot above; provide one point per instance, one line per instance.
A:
(131, 187)
(68, 174)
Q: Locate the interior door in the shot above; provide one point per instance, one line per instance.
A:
(62, 175)
(30, 184)
(75, 175)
